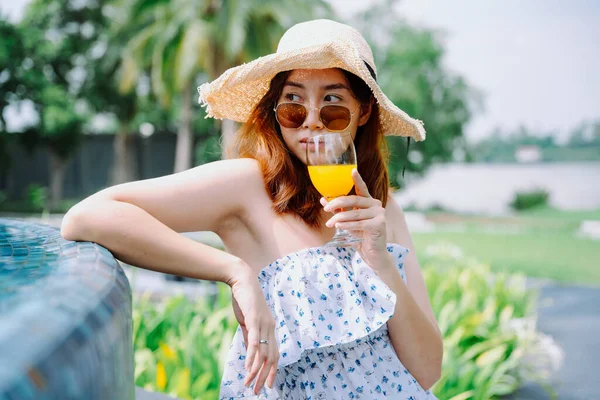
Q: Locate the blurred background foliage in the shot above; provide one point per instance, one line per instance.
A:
(488, 322)
(111, 67)
(128, 69)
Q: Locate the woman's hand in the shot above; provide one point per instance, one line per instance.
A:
(257, 323)
(364, 217)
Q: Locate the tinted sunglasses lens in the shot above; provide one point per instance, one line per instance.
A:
(335, 118)
(291, 115)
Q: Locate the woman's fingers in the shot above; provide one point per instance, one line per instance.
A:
(252, 348)
(273, 371)
(323, 201)
(257, 324)
(362, 199)
(256, 361)
(268, 358)
(256, 364)
(359, 184)
(351, 202)
(258, 370)
(363, 225)
(265, 357)
(358, 214)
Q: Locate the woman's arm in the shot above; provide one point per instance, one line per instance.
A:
(413, 330)
(138, 221)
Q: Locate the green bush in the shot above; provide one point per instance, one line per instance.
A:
(487, 320)
(528, 200)
(32, 204)
(36, 196)
(181, 345)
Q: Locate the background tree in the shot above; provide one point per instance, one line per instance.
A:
(101, 91)
(56, 35)
(157, 53)
(178, 39)
(11, 58)
(60, 130)
(501, 146)
(586, 134)
(411, 73)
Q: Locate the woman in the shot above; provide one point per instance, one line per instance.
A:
(315, 321)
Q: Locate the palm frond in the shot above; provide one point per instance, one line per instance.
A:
(129, 72)
(191, 50)
(156, 75)
(143, 41)
(238, 15)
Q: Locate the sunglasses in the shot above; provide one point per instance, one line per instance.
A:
(335, 118)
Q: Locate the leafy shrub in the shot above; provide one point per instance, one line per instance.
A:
(34, 201)
(436, 207)
(488, 325)
(36, 196)
(529, 200)
(207, 150)
(491, 344)
(180, 345)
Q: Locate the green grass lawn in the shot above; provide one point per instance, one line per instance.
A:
(551, 213)
(540, 243)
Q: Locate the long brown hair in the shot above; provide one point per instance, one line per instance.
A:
(285, 176)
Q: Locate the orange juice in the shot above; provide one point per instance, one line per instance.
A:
(332, 180)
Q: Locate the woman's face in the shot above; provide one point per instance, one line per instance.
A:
(315, 88)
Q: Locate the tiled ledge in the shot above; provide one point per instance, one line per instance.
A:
(65, 317)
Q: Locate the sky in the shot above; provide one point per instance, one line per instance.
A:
(536, 62)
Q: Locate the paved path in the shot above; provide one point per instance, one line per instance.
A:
(571, 315)
(141, 394)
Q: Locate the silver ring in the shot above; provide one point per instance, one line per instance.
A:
(262, 341)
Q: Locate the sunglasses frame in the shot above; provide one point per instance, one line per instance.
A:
(317, 109)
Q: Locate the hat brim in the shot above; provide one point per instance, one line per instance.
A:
(235, 94)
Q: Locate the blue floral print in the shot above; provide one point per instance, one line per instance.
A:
(331, 312)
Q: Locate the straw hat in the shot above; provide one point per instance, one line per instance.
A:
(316, 44)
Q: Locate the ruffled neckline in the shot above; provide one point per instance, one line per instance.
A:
(331, 249)
(323, 296)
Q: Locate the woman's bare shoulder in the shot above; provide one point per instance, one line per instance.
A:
(201, 198)
(247, 173)
(243, 171)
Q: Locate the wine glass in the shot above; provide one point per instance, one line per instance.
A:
(330, 159)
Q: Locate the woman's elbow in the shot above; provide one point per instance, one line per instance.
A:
(428, 382)
(74, 224)
(434, 374)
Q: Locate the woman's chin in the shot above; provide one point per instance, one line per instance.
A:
(301, 155)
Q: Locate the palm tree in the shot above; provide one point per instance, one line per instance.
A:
(102, 93)
(179, 39)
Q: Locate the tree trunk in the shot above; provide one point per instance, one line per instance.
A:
(183, 150)
(228, 130)
(58, 168)
(123, 168)
(228, 127)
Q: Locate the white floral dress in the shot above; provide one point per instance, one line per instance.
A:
(331, 312)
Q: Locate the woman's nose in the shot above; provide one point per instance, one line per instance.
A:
(312, 121)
